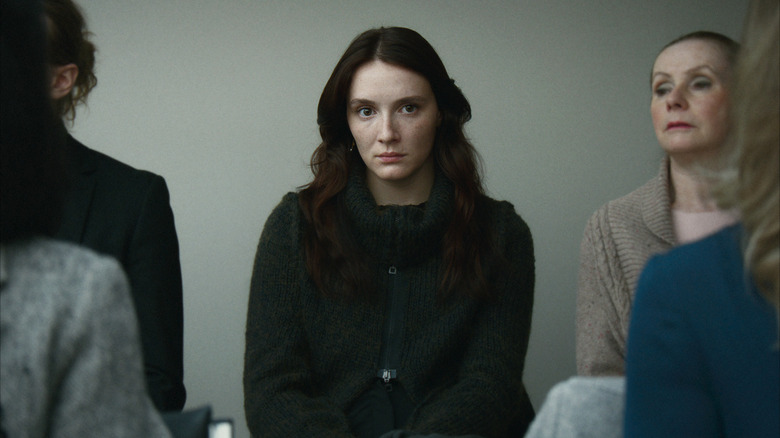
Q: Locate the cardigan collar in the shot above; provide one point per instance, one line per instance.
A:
(398, 235)
(657, 205)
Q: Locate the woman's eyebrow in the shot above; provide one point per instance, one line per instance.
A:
(362, 101)
(688, 71)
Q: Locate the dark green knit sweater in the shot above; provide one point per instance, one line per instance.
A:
(309, 357)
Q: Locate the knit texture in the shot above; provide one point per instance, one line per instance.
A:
(308, 358)
(399, 235)
(619, 239)
(71, 358)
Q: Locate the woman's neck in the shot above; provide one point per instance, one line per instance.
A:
(415, 189)
(690, 186)
(395, 194)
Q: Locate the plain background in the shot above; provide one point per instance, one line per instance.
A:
(220, 98)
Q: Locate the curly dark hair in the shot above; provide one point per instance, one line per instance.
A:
(68, 43)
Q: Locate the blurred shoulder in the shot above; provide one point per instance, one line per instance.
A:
(695, 271)
(57, 280)
(701, 258)
(44, 255)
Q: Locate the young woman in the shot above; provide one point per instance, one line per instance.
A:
(689, 106)
(703, 346)
(390, 294)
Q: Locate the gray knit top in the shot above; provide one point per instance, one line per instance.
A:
(71, 361)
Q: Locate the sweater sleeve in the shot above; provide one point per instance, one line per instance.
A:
(280, 399)
(488, 398)
(600, 339)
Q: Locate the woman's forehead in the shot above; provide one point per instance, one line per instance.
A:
(691, 54)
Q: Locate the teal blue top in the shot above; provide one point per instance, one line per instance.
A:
(702, 354)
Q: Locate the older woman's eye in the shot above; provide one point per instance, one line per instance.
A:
(662, 90)
(701, 84)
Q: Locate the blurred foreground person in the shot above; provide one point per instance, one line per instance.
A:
(703, 345)
(70, 361)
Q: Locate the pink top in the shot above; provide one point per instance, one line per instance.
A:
(693, 226)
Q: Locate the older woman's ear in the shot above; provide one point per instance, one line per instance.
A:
(63, 77)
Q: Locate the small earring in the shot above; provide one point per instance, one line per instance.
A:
(352, 146)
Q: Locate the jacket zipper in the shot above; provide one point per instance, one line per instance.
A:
(391, 342)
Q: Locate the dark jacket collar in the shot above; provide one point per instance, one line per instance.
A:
(82, 170)
(80, 160)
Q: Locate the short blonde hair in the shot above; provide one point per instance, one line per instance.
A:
(751, 181)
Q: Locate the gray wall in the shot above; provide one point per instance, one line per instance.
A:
(220, 98)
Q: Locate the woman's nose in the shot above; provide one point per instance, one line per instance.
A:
(676, 99)
(388, 130)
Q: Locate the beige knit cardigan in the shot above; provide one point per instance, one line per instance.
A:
(619, 239)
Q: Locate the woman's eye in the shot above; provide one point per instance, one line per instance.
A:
(662, 89)
(701, 84)
(365, 112)
(409, 109)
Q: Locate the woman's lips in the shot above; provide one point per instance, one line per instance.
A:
(678, 125)
(390, 157)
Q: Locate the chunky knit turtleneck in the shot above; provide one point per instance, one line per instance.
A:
(309, 357)
(398, 235)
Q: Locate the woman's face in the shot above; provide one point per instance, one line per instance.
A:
(690, 98)
(393, 116)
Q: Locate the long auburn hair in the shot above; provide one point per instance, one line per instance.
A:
(330, 250)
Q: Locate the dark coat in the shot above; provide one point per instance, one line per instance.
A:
(123, 212)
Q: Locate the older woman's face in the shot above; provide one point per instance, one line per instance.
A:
(690, 98)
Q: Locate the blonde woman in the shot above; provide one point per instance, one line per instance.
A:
(703, 347)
